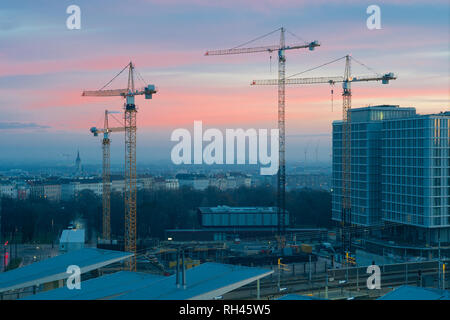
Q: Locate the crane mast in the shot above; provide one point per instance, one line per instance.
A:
(281, 177)
(106, 168)
(346, 218)
(106, 190)
(130, 177)
(106, 174)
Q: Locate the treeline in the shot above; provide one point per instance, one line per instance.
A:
(42, 221)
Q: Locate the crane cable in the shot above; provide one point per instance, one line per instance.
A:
(115, 77)
(314, 68)
(368, 68)
(258, 38)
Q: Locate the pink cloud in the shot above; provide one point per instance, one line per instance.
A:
(106, 62)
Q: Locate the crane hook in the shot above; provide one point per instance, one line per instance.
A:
(270, 68)
(332, 96)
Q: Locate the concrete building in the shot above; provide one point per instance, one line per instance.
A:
(399, 170)
(8, 190)
(161, 183)
(95, 185)
(147, 182)
(235, 217)
(316, 181)
(67, 191)
(71, 240)
(172, 184)
(194, 181)
(52, 192)
(117, 185)
(36, 189)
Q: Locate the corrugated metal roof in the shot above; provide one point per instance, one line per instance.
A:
(227, 209)
(416, 293)
(99, 288)
(55, 268)
(298, 297)
(205, 281)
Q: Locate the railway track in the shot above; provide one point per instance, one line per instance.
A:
(303, 285)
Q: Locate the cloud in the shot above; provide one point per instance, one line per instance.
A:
(21, 125)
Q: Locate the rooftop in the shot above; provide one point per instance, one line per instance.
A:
(416, 293)
(227, 209)
(203, 282)
(55, 268)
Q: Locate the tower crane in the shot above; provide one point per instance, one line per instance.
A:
(346, 81)
(106, 173)
(280, 48)
(128, 94)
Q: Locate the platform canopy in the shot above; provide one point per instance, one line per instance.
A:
(55, 268)
(416, 293)
(105, 287)
(203, 282)
(298, 297)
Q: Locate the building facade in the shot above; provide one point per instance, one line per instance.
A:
(235, 217)
(415, 174)
(399, 171)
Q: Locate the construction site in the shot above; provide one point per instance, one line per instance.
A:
(238, 253)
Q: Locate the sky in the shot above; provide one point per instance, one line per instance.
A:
(44, 67)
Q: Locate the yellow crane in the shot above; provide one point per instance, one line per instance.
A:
(346, 80)
(106, 173)
(130, 151)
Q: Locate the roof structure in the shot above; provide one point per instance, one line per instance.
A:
(416, 293)
(228, 209)
(72, 235)
(55, 268)
(104, 287)
(203, 282)
(298, 297)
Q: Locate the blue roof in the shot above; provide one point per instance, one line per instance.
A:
(53, 269)
(416, 293)
(205, 281)
(99, 288)
(298, 297)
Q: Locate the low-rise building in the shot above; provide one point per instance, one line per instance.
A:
(72, 239)
(8, 190)
(194, 181)
(52, 192)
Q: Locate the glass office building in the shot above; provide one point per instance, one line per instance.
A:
(415, 175)
(400, 171)
(366, 144)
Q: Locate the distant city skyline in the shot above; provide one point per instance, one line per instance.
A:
(44, 68)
